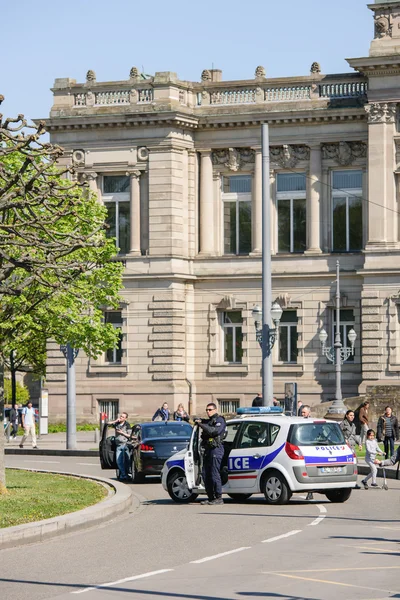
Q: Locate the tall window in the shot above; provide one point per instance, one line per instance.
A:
(114, 355)
(292, 217)
(233, 336)
(346, 323)
(116, 199)
(110, 407)
(347, 211)
(288, 337)
(236, 199)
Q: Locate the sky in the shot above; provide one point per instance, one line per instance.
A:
(46, 39)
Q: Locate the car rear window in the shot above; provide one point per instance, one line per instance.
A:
(316, 434)
(167, 430)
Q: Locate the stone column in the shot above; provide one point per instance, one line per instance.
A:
(314, 200)
(135, 212)
(91, 178)
(206, 204)
(382, 226)
(256, 213)
(274, 212)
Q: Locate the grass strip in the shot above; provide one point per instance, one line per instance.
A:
(36, 496)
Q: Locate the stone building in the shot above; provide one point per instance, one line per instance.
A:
(178, 166)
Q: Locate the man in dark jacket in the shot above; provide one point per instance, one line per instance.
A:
(257, 401)
(212, 435)
(14, 421)
(388, 431)
(162, 413)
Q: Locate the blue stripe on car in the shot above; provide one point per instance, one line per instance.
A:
(268, 458)
(176, 463)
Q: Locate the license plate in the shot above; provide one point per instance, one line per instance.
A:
(331, 469)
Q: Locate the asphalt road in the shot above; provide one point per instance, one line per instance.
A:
(304, 551)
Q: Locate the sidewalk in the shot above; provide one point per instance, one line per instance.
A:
(87, 444)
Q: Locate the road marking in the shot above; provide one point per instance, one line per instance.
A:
(112, 583)
(334, 570)
(202, 560)
(280, 537)
(317, 521)
(88, 464)
(322, 508)
(361, 587)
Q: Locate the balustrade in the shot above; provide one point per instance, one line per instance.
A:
(239, 96)
(343, 90)
(110, 98)
(145, 96)
(282, 94)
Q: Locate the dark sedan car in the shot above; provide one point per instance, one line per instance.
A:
(151, 445)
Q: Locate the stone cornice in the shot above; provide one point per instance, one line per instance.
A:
(376, 66)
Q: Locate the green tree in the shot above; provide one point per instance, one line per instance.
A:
(22, 393)
(57, 266)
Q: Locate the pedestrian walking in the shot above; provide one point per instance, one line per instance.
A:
(29, 424)
(299, 408)
(162, 413)
(387, 431)
(371, 450)
(14, 420)
(364, 420)
(180, 414)
(213, 432)
(257, 401)
(349, 432)
(122, 453)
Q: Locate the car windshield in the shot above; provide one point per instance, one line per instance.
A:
(316, 434)
(167, 430)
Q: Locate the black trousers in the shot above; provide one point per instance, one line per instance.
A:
(212, 472)
(388, 444)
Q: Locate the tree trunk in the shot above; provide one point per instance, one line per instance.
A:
(13, 371)
(3, 489)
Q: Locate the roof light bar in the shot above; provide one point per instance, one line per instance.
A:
(260, 410)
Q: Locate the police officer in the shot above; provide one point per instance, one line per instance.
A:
(213, 432)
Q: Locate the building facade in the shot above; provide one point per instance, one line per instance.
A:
(178, 166)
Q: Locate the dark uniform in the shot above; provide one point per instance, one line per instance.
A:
(213, 432)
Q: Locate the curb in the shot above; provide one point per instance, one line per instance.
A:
(390, 471)
(119, 501)
(51, 452)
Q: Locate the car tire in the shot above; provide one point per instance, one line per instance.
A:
(240, 497)
(338, 496)
(178, 489)
(275, 488)
(137, 476)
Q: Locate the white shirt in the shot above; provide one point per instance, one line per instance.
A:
(29, 416)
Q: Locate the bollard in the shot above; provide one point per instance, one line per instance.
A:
(96, 436)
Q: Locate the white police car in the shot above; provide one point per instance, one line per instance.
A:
(267, 452)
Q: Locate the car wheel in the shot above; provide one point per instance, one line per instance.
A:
(275, 488)
(137, 476)
(338, 495)
(240, 497)
(178, 489)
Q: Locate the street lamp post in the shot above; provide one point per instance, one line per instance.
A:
(265, 334)
(70, 355)
(337, 354)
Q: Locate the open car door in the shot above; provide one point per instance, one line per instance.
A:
(192, 459)
(107, 450)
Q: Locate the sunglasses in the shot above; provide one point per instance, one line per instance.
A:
(209, 409)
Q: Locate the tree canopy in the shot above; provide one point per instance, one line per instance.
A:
(58, 269)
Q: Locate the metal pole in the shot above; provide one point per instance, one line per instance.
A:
(267, 383)
(71, 398)
(338, 408)
(338, 344)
